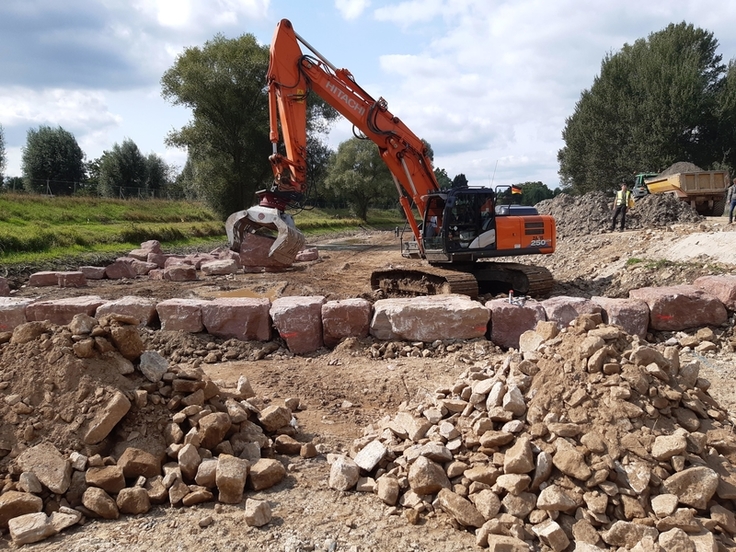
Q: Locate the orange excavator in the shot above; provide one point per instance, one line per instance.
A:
(457, 231)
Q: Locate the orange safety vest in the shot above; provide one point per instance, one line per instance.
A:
(621, 200)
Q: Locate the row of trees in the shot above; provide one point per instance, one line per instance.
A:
(53, 163)
(664, 99)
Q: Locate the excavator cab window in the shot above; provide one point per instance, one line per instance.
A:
(471, 220)
(433, 231)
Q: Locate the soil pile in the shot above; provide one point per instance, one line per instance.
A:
(680, 167)
(591, 213)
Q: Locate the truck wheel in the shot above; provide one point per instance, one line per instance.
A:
(719, 207)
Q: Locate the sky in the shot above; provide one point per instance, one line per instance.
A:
(488, 83)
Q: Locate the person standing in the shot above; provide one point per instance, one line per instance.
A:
(622, 202)
(731, 200)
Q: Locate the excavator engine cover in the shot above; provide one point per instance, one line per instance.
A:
(264, 221)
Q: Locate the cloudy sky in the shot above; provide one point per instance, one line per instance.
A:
(489, 83)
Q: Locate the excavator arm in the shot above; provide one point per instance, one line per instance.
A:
(291, 74)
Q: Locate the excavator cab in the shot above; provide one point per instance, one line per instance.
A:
(459, 223)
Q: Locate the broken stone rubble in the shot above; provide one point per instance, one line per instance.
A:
(614, 443)
(83, 462)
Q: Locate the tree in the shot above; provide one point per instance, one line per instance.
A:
(443, 180)
(359, 176)
(654, 103)
(318, 160)
(158, 174)
(534, 192)
(3, 158)
(52, 161)
(123, 171)
(224, 84)
(460, 181)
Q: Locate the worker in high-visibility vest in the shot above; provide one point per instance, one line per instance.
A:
(623, 201)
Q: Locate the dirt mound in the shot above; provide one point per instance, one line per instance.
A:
(591, 213)
(680, 167)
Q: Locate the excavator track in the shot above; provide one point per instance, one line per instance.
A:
(398, 282)
(468, 279)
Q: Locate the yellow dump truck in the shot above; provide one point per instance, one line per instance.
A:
(704, 190)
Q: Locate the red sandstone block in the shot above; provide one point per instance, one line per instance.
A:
(120, 270)
(722, 286)
(43, 278)
(346, 318)
(429, 318)
(181, 315)
(299, 322)
(180, 273)
(12, 312)
(631, 314)
(564, 310)
(61, 311)
(72, 279)
(141, 308)
(509, 321)
(674, 308)
(243, 318)
(93, 272)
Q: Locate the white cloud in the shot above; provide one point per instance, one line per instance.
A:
(73, 109)
(416, 11)
(352, 9)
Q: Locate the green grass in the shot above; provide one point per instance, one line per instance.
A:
(35, 228)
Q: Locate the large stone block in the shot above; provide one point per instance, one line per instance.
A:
(429, 318)
(121, 269)
(43, 278)
(346, 318)
(564, 310)
(12, 312)
(4, 287)
(61, 311)
(509, 321)
(142, 309)
(722, 286)
(675, 308)
(72, 278)
(254, 253)
(93, 272)
(243, 318)
(183, 315)
(631, 314)
(180, 273)
(299, 322)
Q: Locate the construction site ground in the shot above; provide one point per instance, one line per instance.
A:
(344, 390)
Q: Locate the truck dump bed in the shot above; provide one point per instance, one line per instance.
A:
(687, 184)
(705, 191)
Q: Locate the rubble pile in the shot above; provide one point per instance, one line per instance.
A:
(587, 435)
(591, 213)
(96, 426)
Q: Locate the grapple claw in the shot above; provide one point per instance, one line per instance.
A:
(265, 220)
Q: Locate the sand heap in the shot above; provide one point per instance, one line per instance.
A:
(590, 436)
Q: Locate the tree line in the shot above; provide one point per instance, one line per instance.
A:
(663, 99)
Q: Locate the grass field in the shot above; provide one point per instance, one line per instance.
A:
(36, 228)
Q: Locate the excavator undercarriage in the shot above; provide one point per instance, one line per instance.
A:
(470, 279)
